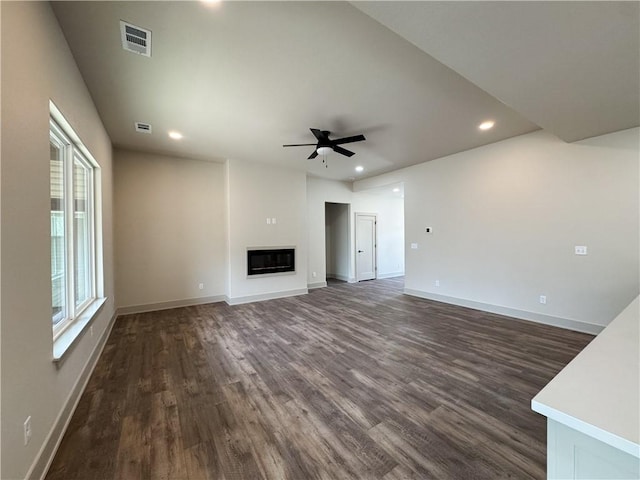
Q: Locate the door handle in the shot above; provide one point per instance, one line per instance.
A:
(360, 251)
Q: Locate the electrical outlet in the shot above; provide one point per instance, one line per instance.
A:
(580, 250)
(543, 299)
(313, 274)
(201, 286)
(91, 330)
(27, 430)
(437, 283)
(414, 246)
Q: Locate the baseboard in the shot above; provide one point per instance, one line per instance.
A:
(340, 277)
(49, 448)
(154, 307)
(265, 296)
(311, 286)
(390, 275)
(569, 324)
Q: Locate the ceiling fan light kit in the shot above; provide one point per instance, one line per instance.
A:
(324, 150)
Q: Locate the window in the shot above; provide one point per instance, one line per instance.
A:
(73, 230)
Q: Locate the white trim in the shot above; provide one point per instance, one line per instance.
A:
(265, 296)
(154, 307)
(39, 467)
(266, 275)
(390, 275)
(569, 324)
(75, 317)
(344, 278)
(375, 244)
(67, 338)
(311, 286)
(70, 132)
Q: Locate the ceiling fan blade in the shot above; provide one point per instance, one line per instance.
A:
(299, 145)
(313, 155)
(320, 135)
(355, 138)
(343, 151)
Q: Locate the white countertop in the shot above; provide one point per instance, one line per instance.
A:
(598, 393)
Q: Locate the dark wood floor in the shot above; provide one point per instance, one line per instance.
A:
(350, 381)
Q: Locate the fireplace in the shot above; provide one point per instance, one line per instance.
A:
(263, 261)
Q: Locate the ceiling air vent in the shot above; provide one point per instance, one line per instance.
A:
(135, 39)
(143, 127)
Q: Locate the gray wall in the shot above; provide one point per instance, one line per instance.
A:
(36, 68)
(506, 218)
(170, 230)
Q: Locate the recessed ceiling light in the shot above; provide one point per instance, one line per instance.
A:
(486, 125)
(396, 190)
(359, 168)
(175, 135)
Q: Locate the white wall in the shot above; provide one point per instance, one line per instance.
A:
(390, 226)
(506, 218)
(257, 192)
(389, 210)
(35, 70)
(319, 192)
(170, 230)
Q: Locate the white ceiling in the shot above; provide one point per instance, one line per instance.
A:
(570, 67)
(240, 79)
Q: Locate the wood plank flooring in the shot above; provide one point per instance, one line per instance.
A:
(350, 381)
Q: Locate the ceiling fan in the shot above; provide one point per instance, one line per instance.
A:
(325, 145)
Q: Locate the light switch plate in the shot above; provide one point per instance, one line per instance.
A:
(581, 250)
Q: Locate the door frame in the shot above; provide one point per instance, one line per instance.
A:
(347, 245)
(375, 243)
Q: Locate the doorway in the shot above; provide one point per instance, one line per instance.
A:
(366, 244)
(337, 241)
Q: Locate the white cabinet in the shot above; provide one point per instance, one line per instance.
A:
(574, 455)
(593, 407)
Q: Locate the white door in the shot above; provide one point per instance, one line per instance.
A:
(365, 247)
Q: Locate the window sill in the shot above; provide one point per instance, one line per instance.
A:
(67, 339)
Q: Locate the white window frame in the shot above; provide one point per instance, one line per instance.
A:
(70, 150)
